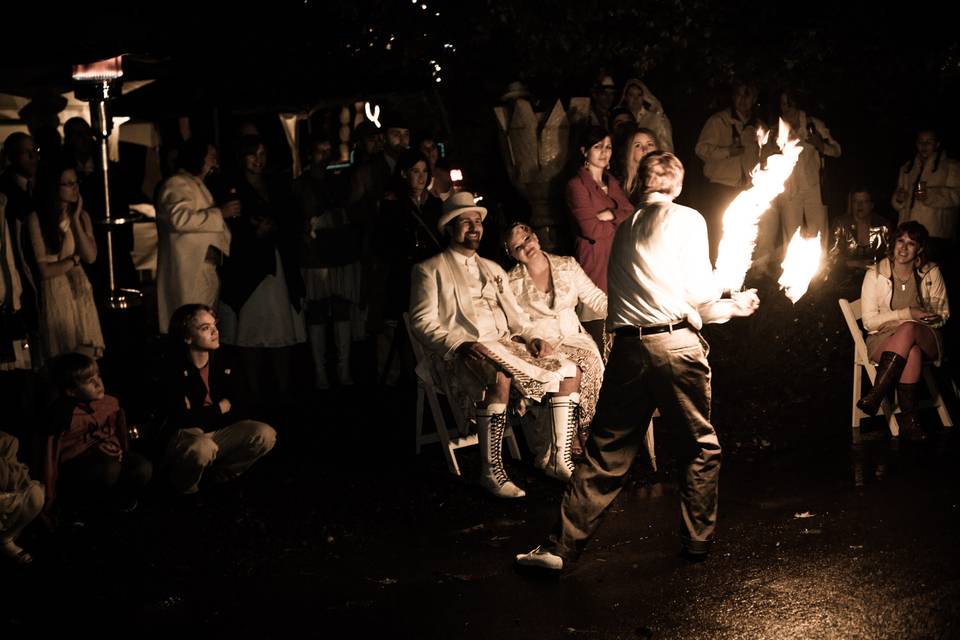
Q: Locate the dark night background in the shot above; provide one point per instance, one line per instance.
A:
(872, 74)
(341, 532)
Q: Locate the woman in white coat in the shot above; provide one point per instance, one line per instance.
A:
(548, 288)
(192, 233)
(904, 304)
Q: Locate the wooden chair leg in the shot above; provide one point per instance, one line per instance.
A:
(420, 399)
(890, 413)
(936, 398)
(443, 433)
(651, 449)
(857, 415)
(451, 456)
(512, 443)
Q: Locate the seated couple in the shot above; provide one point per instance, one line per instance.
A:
(465, 310)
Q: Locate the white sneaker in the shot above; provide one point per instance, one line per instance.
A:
(540, 559)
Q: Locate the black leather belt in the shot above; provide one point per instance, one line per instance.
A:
(636, 332)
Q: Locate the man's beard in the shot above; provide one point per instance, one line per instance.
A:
(471, 243)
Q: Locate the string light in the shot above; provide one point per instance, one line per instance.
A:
(373, 115)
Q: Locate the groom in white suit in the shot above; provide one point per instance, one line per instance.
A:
(459, 300)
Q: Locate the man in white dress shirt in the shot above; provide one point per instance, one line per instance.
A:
(459, 300)
(661, 291)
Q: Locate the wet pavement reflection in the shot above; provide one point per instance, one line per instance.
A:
(823, 532)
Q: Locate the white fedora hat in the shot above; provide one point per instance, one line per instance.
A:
(458, 203)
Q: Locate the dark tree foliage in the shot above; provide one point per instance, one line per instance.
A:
(874, 74)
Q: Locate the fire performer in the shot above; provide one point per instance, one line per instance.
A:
(462, 309)
(662, 290)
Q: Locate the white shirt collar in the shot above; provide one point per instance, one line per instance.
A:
(461, 258)
(656, 196)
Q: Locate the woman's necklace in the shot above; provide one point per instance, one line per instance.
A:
(903, 281)
(599, 180)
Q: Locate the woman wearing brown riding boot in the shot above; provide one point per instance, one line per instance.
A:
(904, 303)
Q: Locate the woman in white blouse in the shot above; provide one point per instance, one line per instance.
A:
(904, 304)
(549, 288)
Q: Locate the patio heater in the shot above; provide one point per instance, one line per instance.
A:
(97, 83)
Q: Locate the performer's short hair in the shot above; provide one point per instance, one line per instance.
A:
(661, 172)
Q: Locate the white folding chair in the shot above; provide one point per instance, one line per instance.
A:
(853, 314)
(648, 440)
(429, 386)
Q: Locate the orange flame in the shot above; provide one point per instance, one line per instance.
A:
(100, 70)
(741, 217)
(800, 264)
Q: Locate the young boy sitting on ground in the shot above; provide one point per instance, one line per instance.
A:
(87, 453)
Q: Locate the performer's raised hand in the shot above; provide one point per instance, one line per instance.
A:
(744, 303)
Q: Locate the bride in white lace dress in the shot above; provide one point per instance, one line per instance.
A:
(549, 288)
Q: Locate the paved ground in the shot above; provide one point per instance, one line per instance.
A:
(342, 532)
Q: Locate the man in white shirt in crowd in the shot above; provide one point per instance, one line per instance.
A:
(928, 191)
(800, 206)
(661, 291)
(729, 150)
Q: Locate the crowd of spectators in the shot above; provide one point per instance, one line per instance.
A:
(267, 262)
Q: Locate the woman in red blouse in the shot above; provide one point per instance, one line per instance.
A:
(598, 205)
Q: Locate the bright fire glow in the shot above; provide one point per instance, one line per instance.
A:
(800, 265)
(740, 219)
(100, 70)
